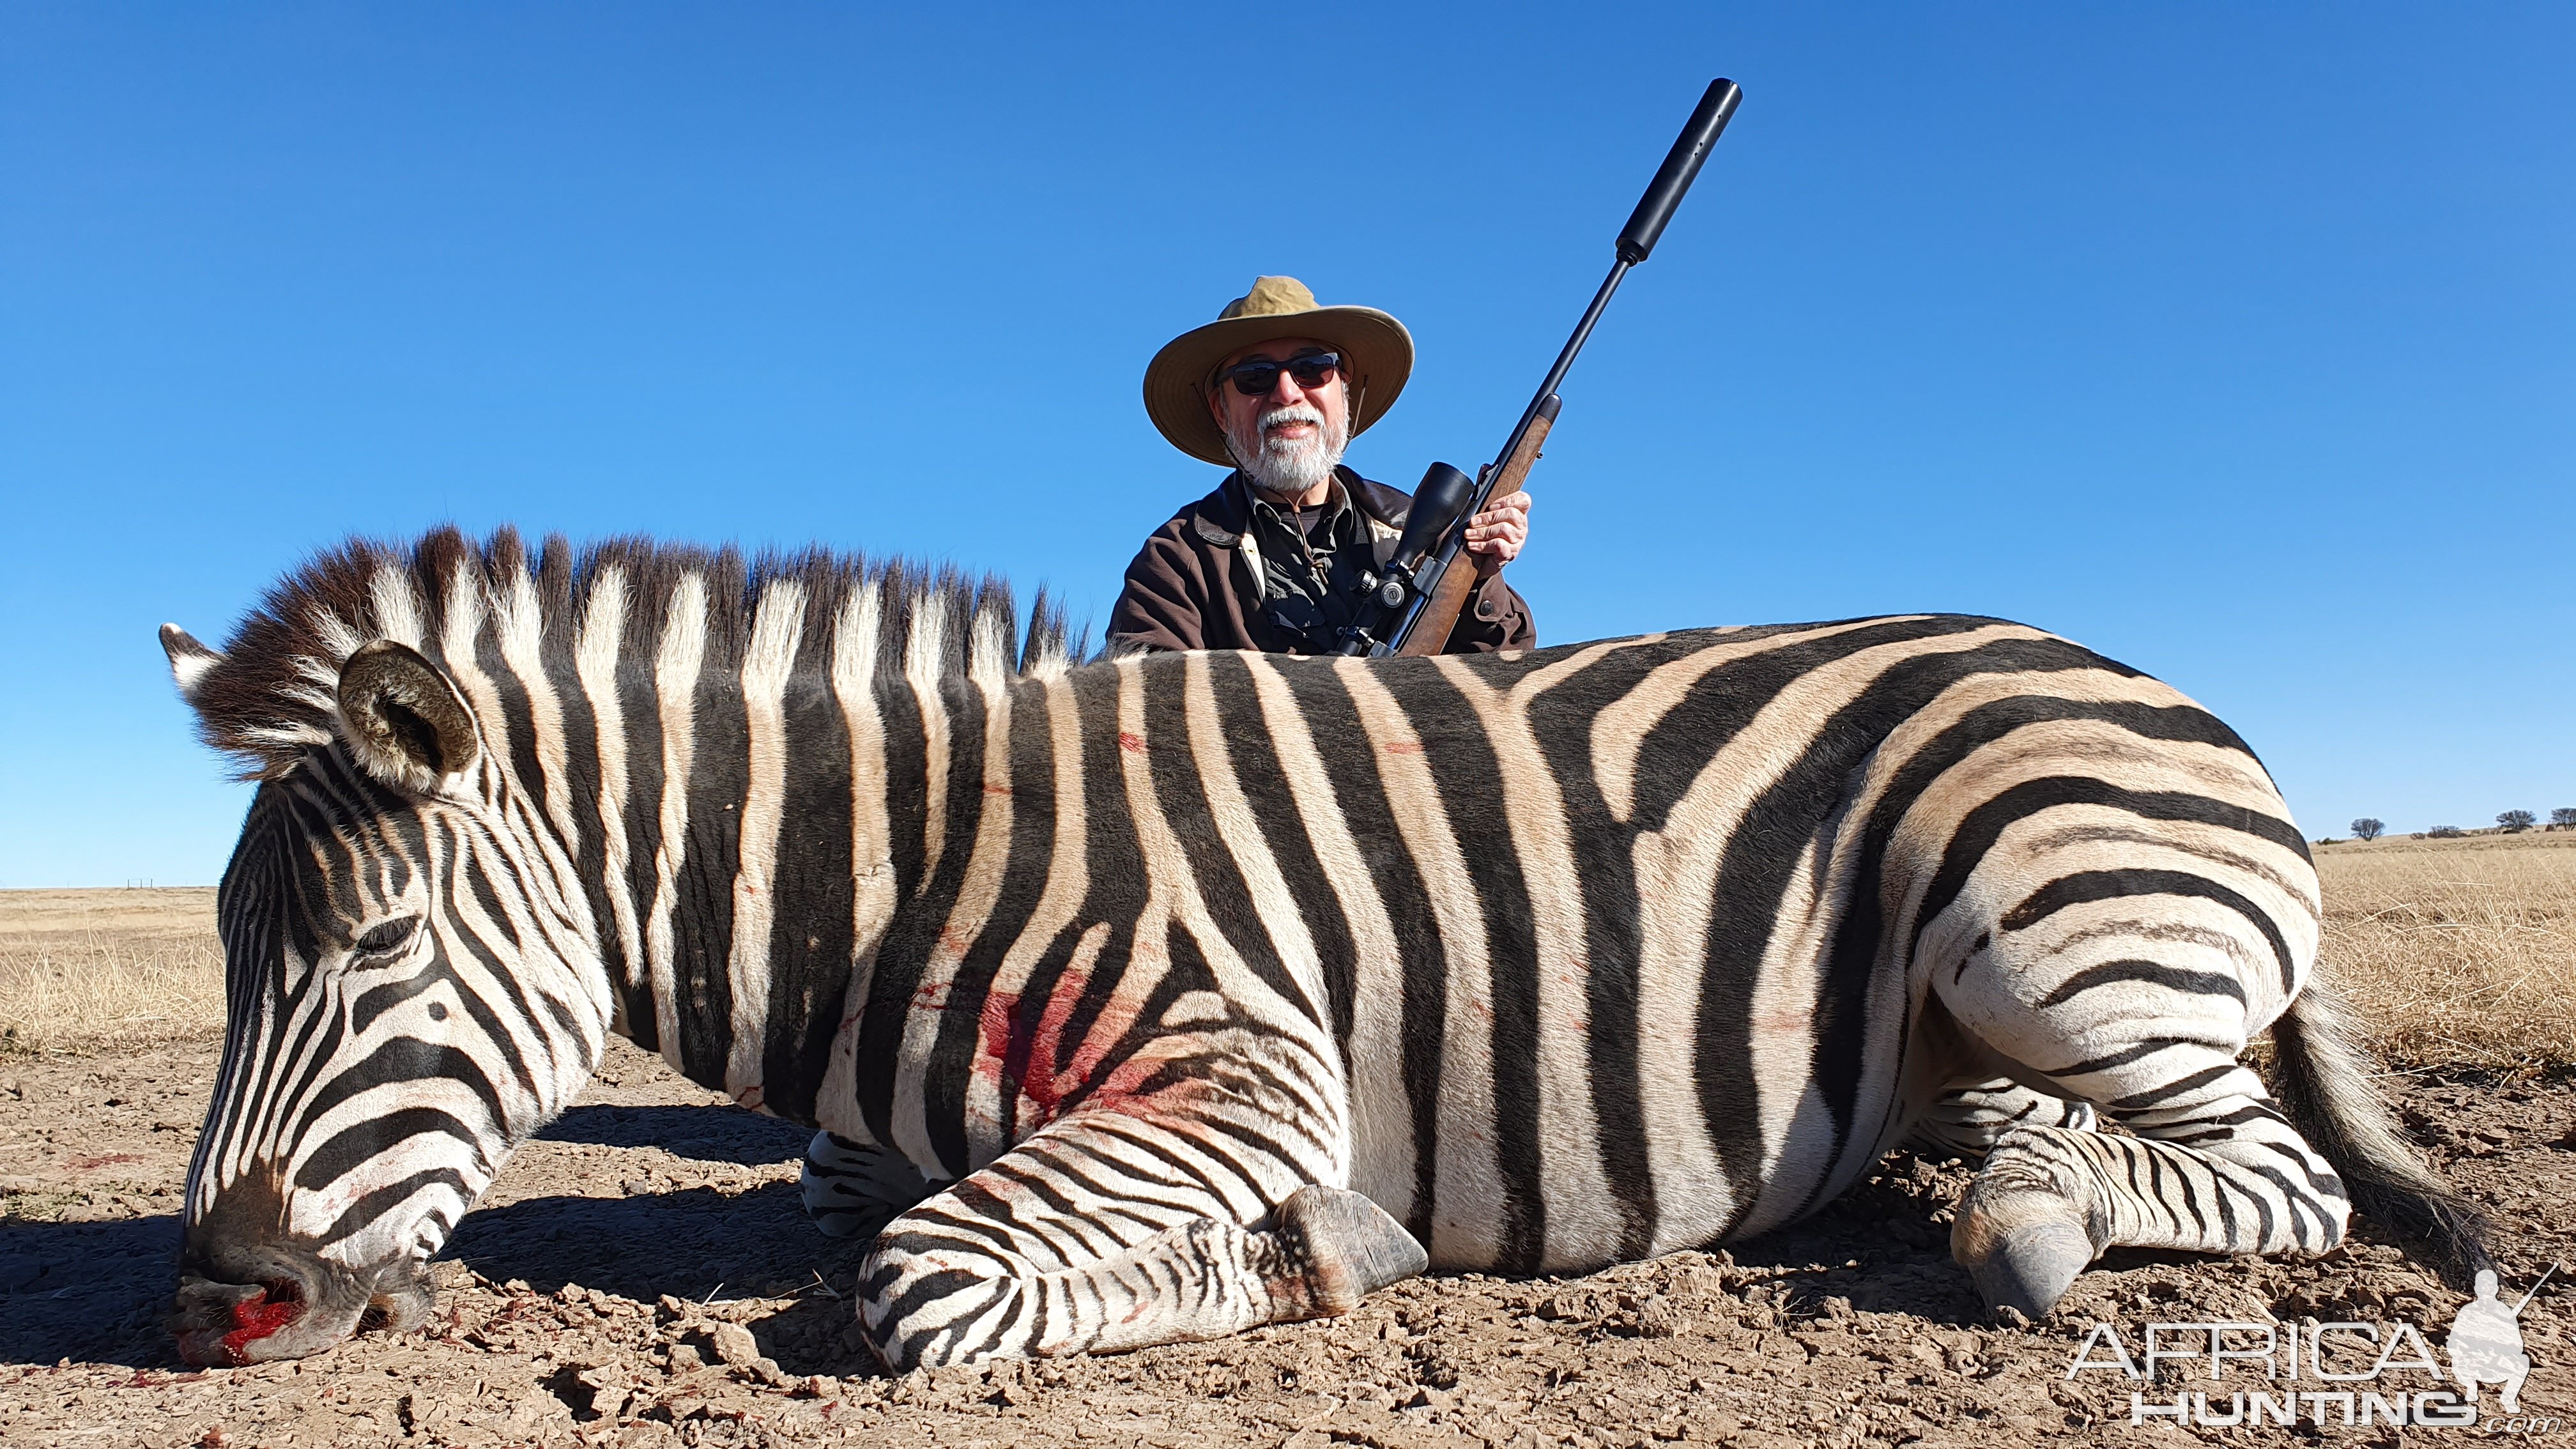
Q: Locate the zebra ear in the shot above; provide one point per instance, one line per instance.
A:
(190, 661)
(404, 719)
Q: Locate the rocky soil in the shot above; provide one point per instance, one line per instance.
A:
(642, 1276)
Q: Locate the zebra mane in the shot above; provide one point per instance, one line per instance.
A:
(270, 694)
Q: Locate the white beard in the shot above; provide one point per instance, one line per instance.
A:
(1288, 467)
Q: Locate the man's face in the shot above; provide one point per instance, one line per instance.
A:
(1289, 438)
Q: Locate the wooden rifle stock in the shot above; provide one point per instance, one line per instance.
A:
(1466, 570)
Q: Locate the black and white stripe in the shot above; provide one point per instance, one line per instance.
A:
(1100, 982)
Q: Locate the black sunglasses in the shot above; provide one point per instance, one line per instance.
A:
(1257, 377)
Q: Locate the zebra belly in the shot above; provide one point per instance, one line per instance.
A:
(1589, 1189)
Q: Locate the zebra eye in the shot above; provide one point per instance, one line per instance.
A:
(387, 935)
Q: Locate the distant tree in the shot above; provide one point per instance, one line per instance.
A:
(2368, 829)
(2564, 817)
(2445, 832)
(2515, 821)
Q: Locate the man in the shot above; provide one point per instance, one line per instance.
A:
(1277, 387)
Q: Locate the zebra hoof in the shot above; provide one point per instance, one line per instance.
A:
(862, 1224)
(2021, 1249)
(852, 1191)
(1348, 1246)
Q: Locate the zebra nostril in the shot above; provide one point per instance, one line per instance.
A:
(279, 1303)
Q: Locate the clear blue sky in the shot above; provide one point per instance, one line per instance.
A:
(2238, 342)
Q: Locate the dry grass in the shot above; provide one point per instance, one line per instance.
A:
(2457, 951)
(2454, 952)
(89, 970)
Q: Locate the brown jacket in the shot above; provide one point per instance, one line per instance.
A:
(1198, 583)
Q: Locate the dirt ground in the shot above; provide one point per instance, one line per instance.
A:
(602, 1294)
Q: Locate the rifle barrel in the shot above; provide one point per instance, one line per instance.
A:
(1636, 242)
(1645, 227)
(2535, 1292)
(1564, 360)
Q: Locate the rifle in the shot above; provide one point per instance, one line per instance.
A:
(2534, 1293)
(1415, 602)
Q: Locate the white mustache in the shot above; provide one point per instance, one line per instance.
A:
(1293, 413)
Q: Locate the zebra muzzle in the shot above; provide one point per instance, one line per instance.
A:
(258, 1304)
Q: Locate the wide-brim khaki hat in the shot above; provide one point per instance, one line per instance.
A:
(1377, 357)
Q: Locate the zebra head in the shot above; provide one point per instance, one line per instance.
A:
(410, 994)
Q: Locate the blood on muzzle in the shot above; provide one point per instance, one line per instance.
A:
(250, 1291)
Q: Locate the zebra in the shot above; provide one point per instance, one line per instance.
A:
(1145, 999)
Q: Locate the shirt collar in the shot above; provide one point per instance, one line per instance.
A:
(1337, 497)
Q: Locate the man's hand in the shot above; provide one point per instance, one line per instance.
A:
(1496, 535)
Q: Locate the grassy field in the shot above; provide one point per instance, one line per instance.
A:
(2454, 952)
(108, 968)
(2457, 951)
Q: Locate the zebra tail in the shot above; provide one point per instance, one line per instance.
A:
(2322, 1079)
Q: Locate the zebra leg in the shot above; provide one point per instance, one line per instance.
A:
(1970, 1118)
(1105, 1232)
(853, 1191)
(2212, 1167)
